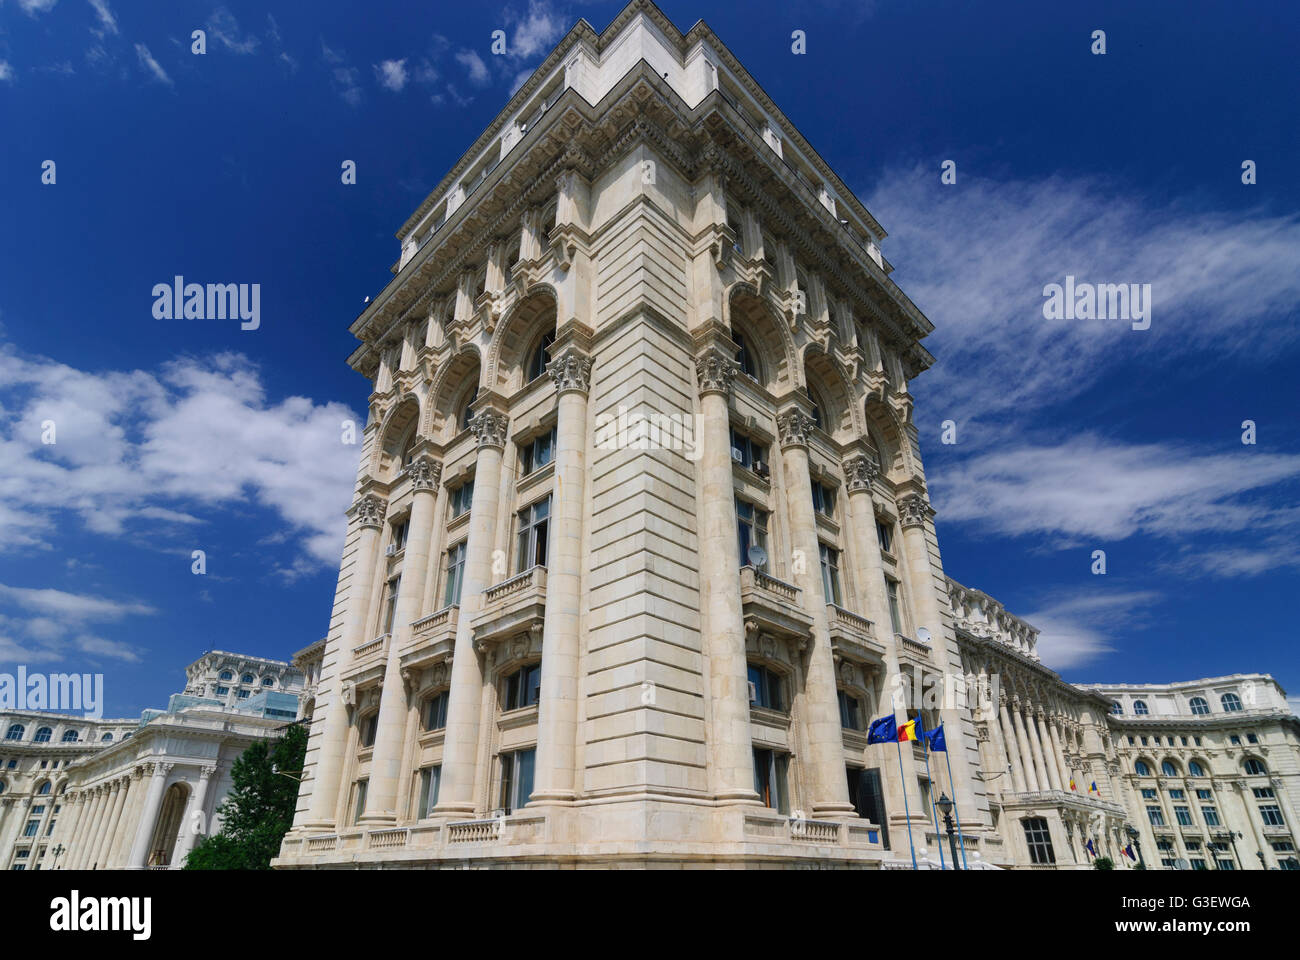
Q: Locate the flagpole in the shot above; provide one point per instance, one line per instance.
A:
(906, 813)
(934, 812)
(948, 760)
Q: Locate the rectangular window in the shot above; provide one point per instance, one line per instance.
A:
(516, 778)
(222, 691)
(455, 573)
(1283, 846)
(1156, 816)
(1039, 839)
(523, 687)
(1148, 793)
(895, 611)
(1183, 815)
(850, 711)
(359, 806)
(1211, 816)
(430, 777)
(243, 694)
(33, 826)
(765, 688)
(1175, 795)
(399, 535)
(823, 499)
(746, 451)
(770, 770)
(537, 453)
(751, 528)
(462, 498)
(50, 829)
(1262, 793)
(830, 558)
(390, 604)
(1203, 795)
(1198, 863)
(1271, 814)
(534, 527)
(1226, 865)
(369, 729)
(885, 535)
(435, 711)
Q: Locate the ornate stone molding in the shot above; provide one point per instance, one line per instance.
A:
(715, 370)
(425, 472)
(914, 510)
(860, 472)
(794, 428)
(370, 510)
(490, 428)
(571, 371)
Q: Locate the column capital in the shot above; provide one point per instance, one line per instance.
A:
(207, 770)
(794, 427)
(914, 510)
(571, 371)
(715, 370)
(425, 472)
(489, 428)
(860, 472)
(369, 510)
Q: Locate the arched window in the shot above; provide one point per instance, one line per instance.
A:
(1194, 769)
(1117, 708)
(227, 675)
(1141, 769)
(537, 361)
(43, 735)
(44, 789)
(246, 678)
(106, 738)
(408, 447)
(15, 732)
(1255, 767)
(745, 356)
(1169, 768)
(467, 410)
(1140, 707)
(1231, 702)
(70, 736)
(1199, 706)
(268, 681)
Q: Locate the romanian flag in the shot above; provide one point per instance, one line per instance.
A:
(1128, 852)
(1073, 785)
(907, 731)
(1092, 788)
(1091, 849)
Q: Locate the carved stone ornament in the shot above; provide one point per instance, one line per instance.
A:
(860, 472)
(349, 694)
(490, 428)
(425, 472)
(370, 510)
(914, 510)
(794, 428)
(571, 371)
(715, 371)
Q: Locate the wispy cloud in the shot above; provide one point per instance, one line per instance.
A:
(535, 31)
(474, 66)
(107, 22)
(41, 625)
(6, 72)
(150, 64)
(33, 7)
(224, 28)
(346, 78)
(1077, 627)
(391, 74)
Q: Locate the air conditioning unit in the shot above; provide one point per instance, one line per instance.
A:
(761, 469)
(753, 692)
(737, 455)
(391, 550)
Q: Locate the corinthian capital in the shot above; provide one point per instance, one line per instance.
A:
(914, 510)
(860, 472)
(370, 510)
(715, 370)
(490, 428)
(571, 371)
(794, 427)
(424, 472)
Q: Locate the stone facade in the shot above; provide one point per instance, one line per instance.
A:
(641, 537)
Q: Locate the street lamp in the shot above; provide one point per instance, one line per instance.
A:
(945, 808)
(1231, 836)
(58, 851)
(1133, 839)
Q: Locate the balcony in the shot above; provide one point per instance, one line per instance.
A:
(771, 606)
(853, 636)
(511, 607)
(433, 638)
(913, 651)
(368, 660)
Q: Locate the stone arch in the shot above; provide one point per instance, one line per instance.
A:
(890, 438)
(167, 829)
(842, 420)
(398, 423)
(459, 376)
(754, 316)
(515, 336)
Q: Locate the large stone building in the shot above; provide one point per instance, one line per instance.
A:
(80, 793)
(641, 538)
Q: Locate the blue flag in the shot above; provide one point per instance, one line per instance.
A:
(937, 743)
(1091, 849)
(884, 730)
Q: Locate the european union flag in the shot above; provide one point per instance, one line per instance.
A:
(937, 743)
(884, 730)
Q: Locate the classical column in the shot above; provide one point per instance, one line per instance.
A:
(731, 751)
(368, 513)
(1022, 740)
(148, 817)
(188, 835)
(1009, 738)
(824, 748)
(555, 775)
(11, 815)
(78, 830)
(460, 743)
(1062, 768)
(110, 823)
(121, 847)
(1036, 749)
(91, 840)
(69, 821)
(381, 795)
(1045, 748)
(860, 473)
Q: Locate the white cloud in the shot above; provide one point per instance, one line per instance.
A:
(474, 67)
(157, 452)
(391, 74)
(346, 78)
(33, 7)
(54, 624)
(6, 72)
(537, 31)
(1077, 628)
(149, 63)
(224, 28)
(106, 19)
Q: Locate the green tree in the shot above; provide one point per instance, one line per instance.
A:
(1103, 863)
(258, 812)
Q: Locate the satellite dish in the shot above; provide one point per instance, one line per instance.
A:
(1181, 864)
(757, 556)
(923, 635)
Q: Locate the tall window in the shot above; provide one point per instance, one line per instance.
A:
(1156, 816)
(1211, 816)
(1271, 814)
(765, 688)
(1141, 769)
(455, 573)
(359, 806)
(885, 536)
(751, 527)
(830, 558)
(745, 356)
(435, 711)
(1169, 769)
(1140, 707)
(398, 541)
(517, 778)
(534, 525)
(540, 355)
(1231, 702)
(369, 728)
(390, 604)
(462, 498)
(738, 232)
(430, 778)
(869, 799)
(1183, 815)
(823, 499)
(1199, 706)
(1039, 840)
(851, 712)
(537, 452)
(466, 411)
(895, 610)
(770, 783)
(523, 687)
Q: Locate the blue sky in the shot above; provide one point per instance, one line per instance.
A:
(1072, 436)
